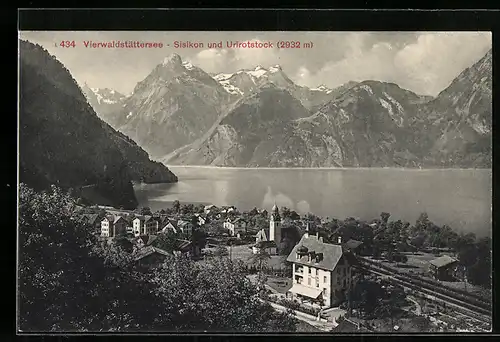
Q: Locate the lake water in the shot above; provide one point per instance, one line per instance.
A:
(461, 199)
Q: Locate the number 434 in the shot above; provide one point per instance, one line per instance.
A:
(67, 43)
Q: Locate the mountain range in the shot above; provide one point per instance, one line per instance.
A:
(260, 118)
(63, 142)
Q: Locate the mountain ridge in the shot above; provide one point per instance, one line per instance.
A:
(62, 140)
(378, 124)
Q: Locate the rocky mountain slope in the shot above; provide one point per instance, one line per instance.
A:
(460, 119)
(63, 142)
(365, 124)
(171, 107)
(105, 101)
(245, 82)
(248, 133)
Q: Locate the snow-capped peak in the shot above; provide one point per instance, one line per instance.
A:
(275, 68)
(188, 65)
(257, 72)
(323, 88)
(222, 77)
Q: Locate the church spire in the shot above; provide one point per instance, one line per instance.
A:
(275, 215)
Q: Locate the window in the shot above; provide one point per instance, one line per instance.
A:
(324, 279)
(338, 280)
(317, 282)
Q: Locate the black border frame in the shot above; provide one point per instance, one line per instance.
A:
(265, 20)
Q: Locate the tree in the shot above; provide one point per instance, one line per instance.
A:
(260, 259)
(166, 241)
(385, 217)
(65, 282)
(187, 209)
(176, 205)
(214, 296)
(285, 212)
(221, 251)
(145, 211)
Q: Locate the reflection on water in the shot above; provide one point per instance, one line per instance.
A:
(459, 198)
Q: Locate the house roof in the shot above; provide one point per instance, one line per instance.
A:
(93, 218)
(149, 250)
(266, 244)
(182, 223)
(238, 219)
(183, 244)
(110, 218)
(148, 218)
(261, 234)
(331, 253)
(167, 221)
(147, 239)
(141, 218)
(347, 325)
(306, 291)
(118, 218)
(353, 244)
(442, 261)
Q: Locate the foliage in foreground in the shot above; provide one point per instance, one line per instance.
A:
(69, 282)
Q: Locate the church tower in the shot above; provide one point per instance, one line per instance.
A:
(275, 225)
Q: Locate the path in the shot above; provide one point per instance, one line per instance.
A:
(324, 326)
(418, 309)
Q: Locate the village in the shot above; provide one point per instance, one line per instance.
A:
(331, 280)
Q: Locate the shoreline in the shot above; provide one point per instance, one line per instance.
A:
(324, 168)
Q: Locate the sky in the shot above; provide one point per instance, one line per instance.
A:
(423, 62)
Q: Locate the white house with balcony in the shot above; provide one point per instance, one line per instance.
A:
(321, 271)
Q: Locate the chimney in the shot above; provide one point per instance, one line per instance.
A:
(339, 240)
(317, 235)
(307, 230)
(320, 239)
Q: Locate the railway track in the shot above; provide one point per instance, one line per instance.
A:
(469, 311)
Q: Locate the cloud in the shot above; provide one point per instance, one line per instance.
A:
(431, 63)
(425, 67)
(230, 60)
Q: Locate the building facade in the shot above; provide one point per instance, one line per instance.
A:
(236, 226)
(322, 272)
(112, 226)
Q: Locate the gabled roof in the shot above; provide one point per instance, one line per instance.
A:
(147, 239)
(168, 221)
(110, 218)
(331, 253)
(148, 218)
(118, 218)
(443, 261)
(140, 218)
(93, 218)
(353, 244)
(261, 235)
(147, 251)
(347, 325)
(239, 219)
